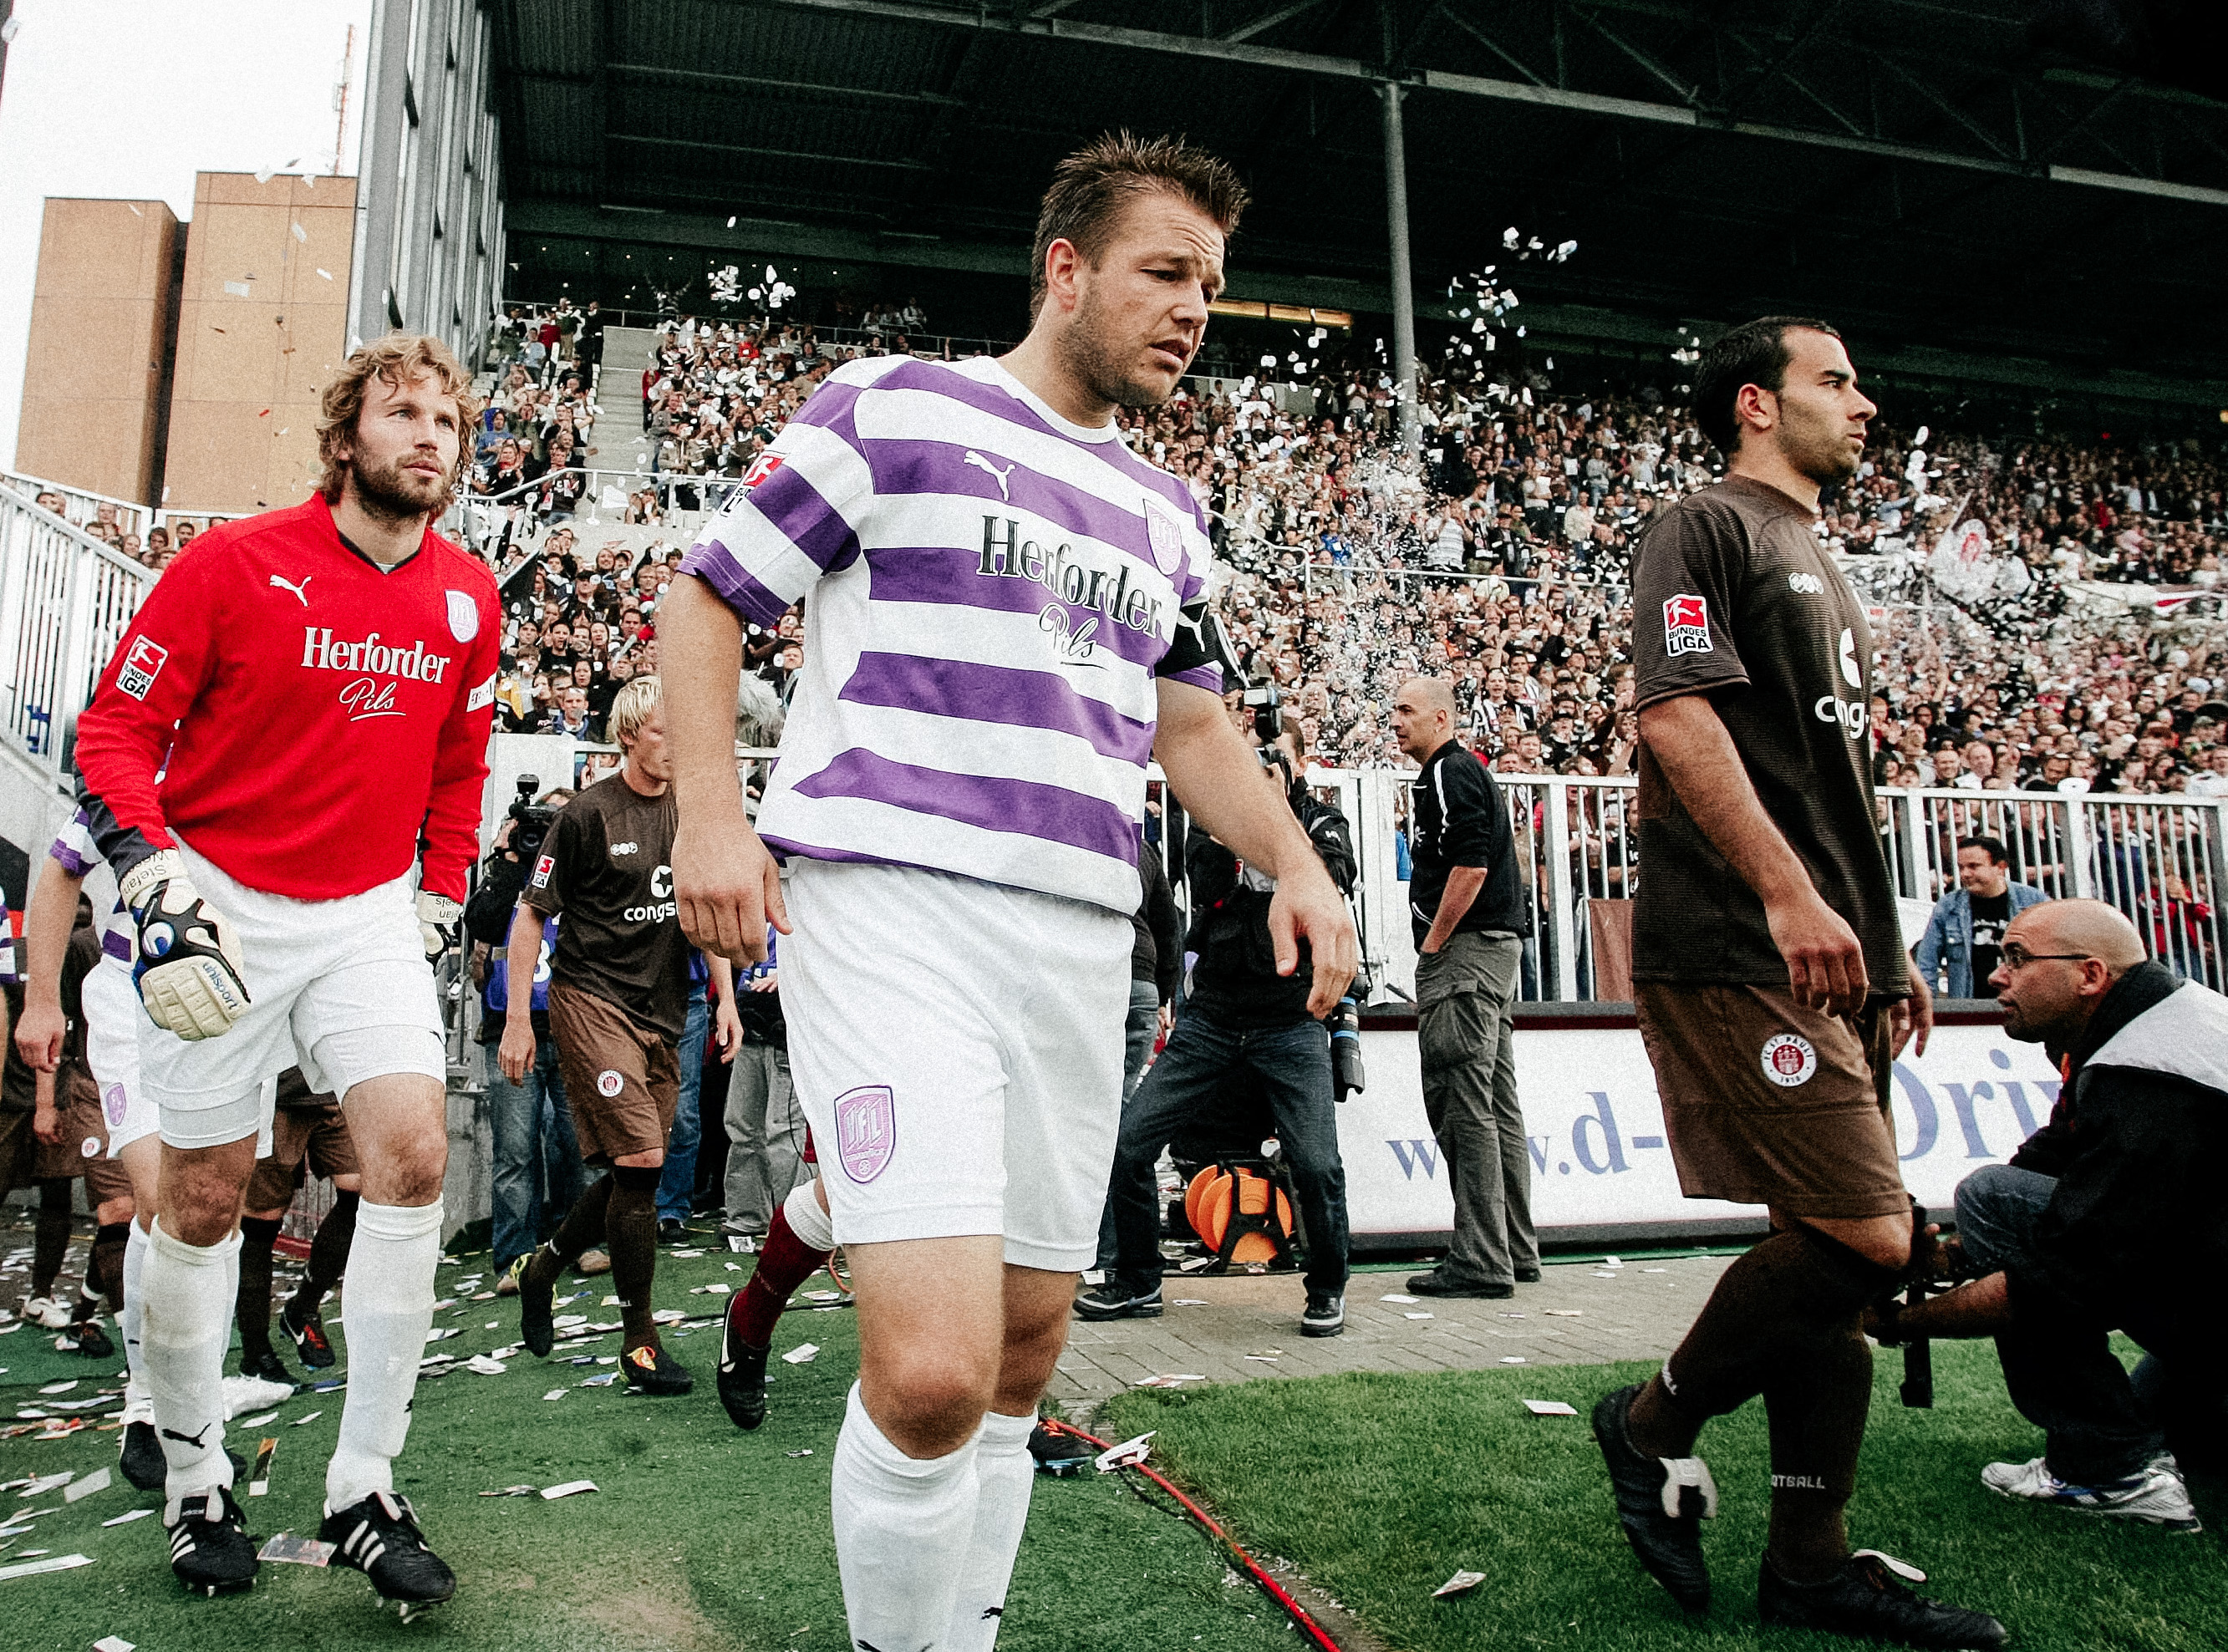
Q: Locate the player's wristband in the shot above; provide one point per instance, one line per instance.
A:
(136, 885)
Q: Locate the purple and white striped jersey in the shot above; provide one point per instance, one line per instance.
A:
(75, 851)
(994, 592)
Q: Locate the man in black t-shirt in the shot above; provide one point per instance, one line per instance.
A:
(1771, 986)
(1466, 905)
(618, 1000)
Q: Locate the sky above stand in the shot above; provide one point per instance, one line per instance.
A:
(129, 99)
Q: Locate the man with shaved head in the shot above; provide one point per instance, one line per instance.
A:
(1466, 905)
(2107, 1218)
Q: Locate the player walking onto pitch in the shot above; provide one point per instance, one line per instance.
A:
(1005, 624)
(330, 671)
(1772, 988)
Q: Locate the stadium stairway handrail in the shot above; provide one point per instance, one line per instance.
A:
(65, 601)
(130, 517)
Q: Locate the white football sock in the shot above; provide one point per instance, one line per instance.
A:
(388, 1294)
(1004, 1472)
(185, 1326)
(902, 1530)
(132, 1321)
(814, 1228)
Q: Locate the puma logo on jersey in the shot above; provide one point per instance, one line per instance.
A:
(996, 475)
(301, 592)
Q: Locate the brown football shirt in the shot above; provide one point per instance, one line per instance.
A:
(607, 866)
(1735, 596)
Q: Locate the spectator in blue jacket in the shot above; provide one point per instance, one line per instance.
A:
(1965, 939)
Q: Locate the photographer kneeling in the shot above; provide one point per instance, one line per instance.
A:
(2107, 1218)
(1241, 1014)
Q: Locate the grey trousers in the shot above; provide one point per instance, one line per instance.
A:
(765, 1137)
(1466, 996)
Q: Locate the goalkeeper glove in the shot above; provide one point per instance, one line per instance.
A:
(436, 916)
(189, 970)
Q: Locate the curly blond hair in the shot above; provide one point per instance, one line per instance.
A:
(398, 358)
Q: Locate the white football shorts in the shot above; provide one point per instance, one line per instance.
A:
(957, 1047)
(112, 1014)
(341, 988)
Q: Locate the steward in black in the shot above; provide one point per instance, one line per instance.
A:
(1459, 817)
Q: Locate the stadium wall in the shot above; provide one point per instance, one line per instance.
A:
(95, 372)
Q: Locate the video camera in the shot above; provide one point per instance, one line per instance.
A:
(531, 821)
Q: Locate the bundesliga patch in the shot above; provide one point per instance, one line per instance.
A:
(608, 1082)
(762, 467)
(542, 868)
(1788, 1060)
(141, 667)
(1686, 626)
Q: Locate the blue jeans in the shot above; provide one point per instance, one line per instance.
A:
(676, 1188)
(1293, 1063)
(2064, 1378)
(1137, 1050)
(523, 1148)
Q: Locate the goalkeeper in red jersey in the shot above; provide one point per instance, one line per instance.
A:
(314, 687)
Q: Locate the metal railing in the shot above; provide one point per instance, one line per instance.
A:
(65, 601)
(2162, 860)
(920, 341)
(82, 504)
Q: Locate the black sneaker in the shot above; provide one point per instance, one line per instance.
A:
(742, 1373)
(536, 1308)
(141, 1458)
(86, 1338)
(210, 1550)
(380, 1538)
(266, 1366)
(1436, 1283)
(1527, 1276)
(650, 1370)
(310, 1345)
(1661, 1502)
(1866, 1597)
(1110, 1301)
(672, 1231)
(1325, 1315)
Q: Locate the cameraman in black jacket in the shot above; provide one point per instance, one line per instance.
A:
(2107, 1218)
(1241, 1014)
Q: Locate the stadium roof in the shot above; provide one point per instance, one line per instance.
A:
(1917, 168)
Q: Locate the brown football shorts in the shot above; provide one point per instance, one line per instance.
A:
(1767, 1103)
(309, 1137)
(622, 1079)
(83, 1149)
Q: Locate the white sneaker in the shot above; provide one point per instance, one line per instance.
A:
(2156, 1495)
(44, 1310)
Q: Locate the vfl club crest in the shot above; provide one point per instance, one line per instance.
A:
(866, 1131)
(112, 1103)
(1163, 536)
(464, 617)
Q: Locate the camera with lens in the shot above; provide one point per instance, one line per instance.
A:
(1265, 703)
(530, 821)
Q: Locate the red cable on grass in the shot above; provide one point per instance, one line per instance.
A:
(1299, 1613)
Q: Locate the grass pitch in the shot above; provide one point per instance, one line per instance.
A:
(701, 1539)
(1379, 1487)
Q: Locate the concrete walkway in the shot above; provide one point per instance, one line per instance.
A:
(1244, 1327)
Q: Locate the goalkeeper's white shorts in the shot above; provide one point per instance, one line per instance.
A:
(340, 988)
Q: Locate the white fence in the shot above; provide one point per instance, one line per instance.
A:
(64, 600)
(2163, 860)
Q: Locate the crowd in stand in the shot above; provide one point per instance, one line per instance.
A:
(1500, 559)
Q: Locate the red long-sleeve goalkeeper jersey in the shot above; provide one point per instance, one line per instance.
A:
(319, 713)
